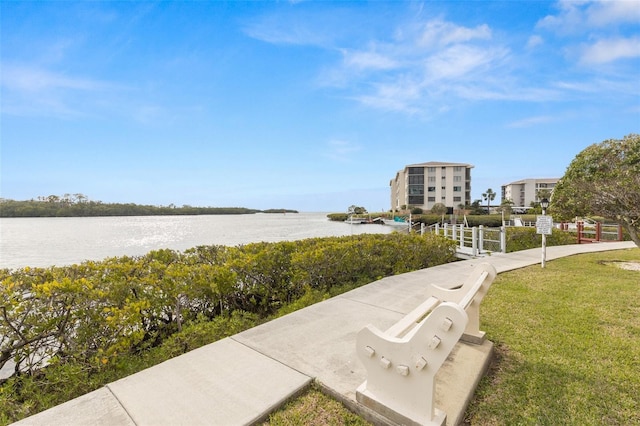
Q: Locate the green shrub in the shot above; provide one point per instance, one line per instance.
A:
(488, 221)
(427, 219)
(338, 217)
(523, 238)
(99, 321)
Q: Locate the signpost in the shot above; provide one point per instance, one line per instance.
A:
(544, 225)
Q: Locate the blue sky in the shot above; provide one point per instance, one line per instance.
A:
(311, 106)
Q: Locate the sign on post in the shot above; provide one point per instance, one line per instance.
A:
(544, 224)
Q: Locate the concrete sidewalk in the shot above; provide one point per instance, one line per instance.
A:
(241, 379)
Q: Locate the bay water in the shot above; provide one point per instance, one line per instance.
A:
(43, 242)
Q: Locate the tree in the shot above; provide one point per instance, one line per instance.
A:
(475, 207)
(353, 209)
(543, 193)
(603, 180)
(488, 196)
(439, 208)
(506, 206)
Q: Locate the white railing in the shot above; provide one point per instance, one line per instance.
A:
(476, 240)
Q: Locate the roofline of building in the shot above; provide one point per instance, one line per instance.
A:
(439, 163)
(541, 180)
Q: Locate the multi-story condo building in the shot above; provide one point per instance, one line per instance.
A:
(426, 184)
(527, 191)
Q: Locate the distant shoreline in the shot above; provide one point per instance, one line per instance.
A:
(56, 207)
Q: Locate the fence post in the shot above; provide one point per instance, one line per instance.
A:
(598, 231)
(503, 239)
(481, 240)
(454, 236)
(619, 232)
(437, 229)
(579, 228)
(474, 241)
(461, 236)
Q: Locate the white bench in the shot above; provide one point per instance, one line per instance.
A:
(402, 361)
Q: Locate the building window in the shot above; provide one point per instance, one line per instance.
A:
(416, 190)
(416, 199)
(432, 189)
(416, 170)
(457, 189)
(432, 178)
(431, 169)
(432, 199)
(457, 199)
(457, 178)
(457, 169)
(416, 179)
(444, 188)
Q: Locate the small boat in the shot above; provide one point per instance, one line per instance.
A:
(399, 222)
(364, 220)
(355, 221)
(396, 221)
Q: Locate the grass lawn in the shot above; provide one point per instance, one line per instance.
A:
(567, 344)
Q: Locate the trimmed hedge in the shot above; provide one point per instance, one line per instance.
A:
(523, 238)
(490, 221)
(92, 322)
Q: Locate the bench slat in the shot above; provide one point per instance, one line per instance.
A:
(412, 318)
(471, 294)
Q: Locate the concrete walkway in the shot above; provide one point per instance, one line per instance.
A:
(241, 379)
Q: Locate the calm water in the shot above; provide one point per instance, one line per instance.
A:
(63, 241)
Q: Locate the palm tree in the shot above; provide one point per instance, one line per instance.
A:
(488, 196)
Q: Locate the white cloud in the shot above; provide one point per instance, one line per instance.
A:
(578, 16)
(610, 50)
(570, 17)
(34, 91)
(368, 60)
(278, 35)
(606, 12)
(426, 66)
(441, 33)
(289, 28)
(27, 79)
(459, 61)
(341, 150)
(576, 86)
(534, 41)
(602, 86)
(500, 91)
(596, 32)
(402, 94)
(532, 121)
(408, 71)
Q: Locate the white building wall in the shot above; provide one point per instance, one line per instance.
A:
(441, 177)
(524, 192)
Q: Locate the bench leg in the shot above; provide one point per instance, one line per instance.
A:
(472, 333)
